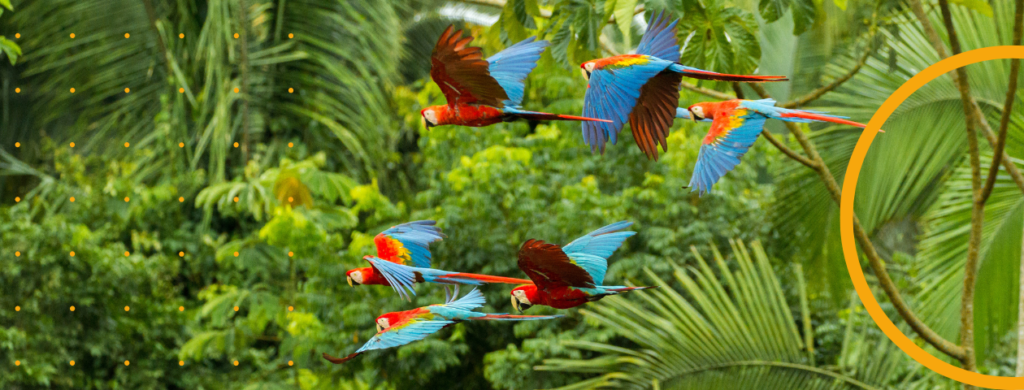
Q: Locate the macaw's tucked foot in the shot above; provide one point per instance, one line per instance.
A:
(335, 360)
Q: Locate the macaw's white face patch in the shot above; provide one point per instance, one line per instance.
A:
(382, 324)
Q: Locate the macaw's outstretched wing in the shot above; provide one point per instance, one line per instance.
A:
(511, 66)
(462, 73)
(474, 299)
(654, 112)
(394, 336)
(731, 135)
(660, 39)
(402, 277)
(548, 266)
(408, 243)
(612, 93)
(591, 251)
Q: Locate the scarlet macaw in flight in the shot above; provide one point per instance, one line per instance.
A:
(643, 87)
(567, 277)
(406, 246)
(735, 125)
(404, 327)
(483, 92)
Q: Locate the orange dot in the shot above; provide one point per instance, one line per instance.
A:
(17, 90)
(126, 254)
(72, 90)
(290, 254)
(72, 253)
(126, 362)
(126, 199)
(17, 35)
(181, 90)
(181, 144)
(236, 254)
(291, 363)
(236, 362)
(181, 362)
(72, 308)
(72, 144)
(290, 199)
(290, 35)
(126, 308)
(126, 90)
(126, 144)
(127, 35)
(72, 363)
(181, 308)
(236, 144)
(17, 362)
(236, 308)
(236, 35)
(17, 308)
(181, 254)
(236, 199)
(181, 199)
(181, 36)
(17, 254)
(72, 35)
(17, 199)
(236, 90)
(291, 308)
(290, 90)
(290, 144)
(72, 199)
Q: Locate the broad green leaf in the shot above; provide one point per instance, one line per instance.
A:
(6, 4)
(720, 39)
(981, 6)
(804, 15)
(10, 48)
(624, 17)
(841, 4)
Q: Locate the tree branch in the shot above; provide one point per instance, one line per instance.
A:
(877, 265)
(940, 49)
(814, 95)
(1004, 121)
(977, 210)
(707, 92)
(787, 151)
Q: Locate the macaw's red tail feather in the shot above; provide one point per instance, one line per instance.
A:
(513, 317)
(824, 118)
(543, 116)
(485, 278)
(705, 75)
(625, 289)
(335, 360)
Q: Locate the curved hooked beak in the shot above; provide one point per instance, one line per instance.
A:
(350, 283)
(426, 124)
(515, 304)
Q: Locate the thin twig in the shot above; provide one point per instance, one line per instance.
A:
(977, 211)
(877, 265)
(1004, 121)
(708, 92)
(787, 151)
(814, 95)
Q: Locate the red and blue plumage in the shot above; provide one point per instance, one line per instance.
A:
(408, 243)
(735, 125)
(404, 327)
(642, 88)
(402, 277)
(483, 92)
(569, 276)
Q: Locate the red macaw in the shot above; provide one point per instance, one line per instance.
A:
(735, 125)
(408, 243)
(402, 277)
(404, 327)
(643, 87)
(483, 92)
(566, 277)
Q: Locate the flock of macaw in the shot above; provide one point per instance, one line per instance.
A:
(641, 88)
(560, 277)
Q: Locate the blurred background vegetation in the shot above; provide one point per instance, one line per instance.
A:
(259, 168)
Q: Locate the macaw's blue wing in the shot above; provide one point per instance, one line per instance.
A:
(400, 277)
(408, 243)
(591, 251)
(511, 66)
(730, 137)
(660, 39)
(468, 302)
(395, 336)
(611, 94)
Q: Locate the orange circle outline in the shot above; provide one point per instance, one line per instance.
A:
(846, 217)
